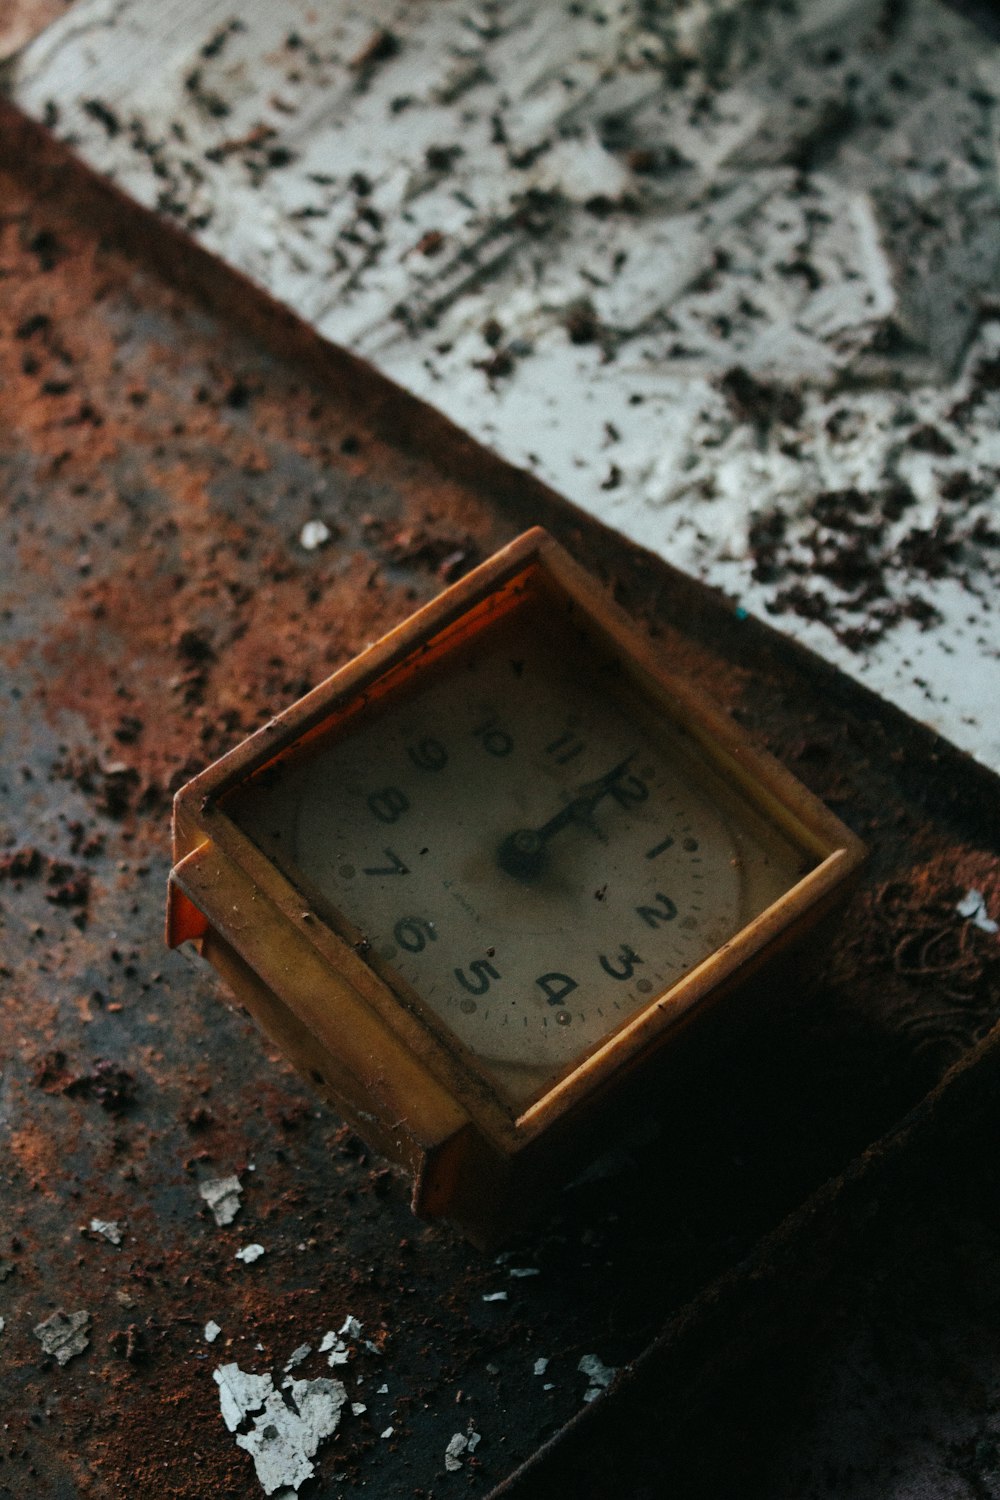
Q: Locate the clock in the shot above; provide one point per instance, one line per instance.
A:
(482, 879)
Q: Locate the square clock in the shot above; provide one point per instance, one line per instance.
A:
(480, 880)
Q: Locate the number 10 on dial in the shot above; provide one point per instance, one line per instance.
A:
(488, 870)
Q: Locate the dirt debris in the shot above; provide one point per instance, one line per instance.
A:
(113, 1087)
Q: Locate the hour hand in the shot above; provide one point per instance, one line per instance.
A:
(522, 853)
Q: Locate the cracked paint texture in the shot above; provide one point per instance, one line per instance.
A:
(567, 226)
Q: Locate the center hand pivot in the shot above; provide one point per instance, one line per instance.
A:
(522, 853)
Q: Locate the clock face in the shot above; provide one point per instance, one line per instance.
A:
(524, 841)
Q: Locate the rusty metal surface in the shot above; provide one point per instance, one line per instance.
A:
(158, 462)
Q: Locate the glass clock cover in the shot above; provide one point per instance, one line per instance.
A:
(520, 841)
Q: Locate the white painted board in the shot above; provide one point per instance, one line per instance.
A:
(723, 273)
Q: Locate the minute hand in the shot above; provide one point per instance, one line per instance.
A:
(585, 801)
(522, 853)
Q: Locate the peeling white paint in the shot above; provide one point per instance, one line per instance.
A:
(973, 906)
(281, 1430)
(222, 1194)
(314, 534)
(335, 1344)
(211, 1331)
(339, 1354)
(64, 1335)
(111, 1229)
(458, 1446)
(249, 1254)
(283, 1439)
(240, 1392)
(452, 1454)
(599, 1374)
(574, 227)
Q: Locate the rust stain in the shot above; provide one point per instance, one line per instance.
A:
(38, 1155)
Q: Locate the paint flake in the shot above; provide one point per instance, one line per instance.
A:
(314, 534)
(459, 1445)
(222, 1194)
(212, 1331)
(64, 1335)
(283, 1429)
(453, 1453)
(541, 1365)
(240, 1393)
(973, 906)
(111, 1229)
(600, 1376)
(495, 1297)
(249, 1254)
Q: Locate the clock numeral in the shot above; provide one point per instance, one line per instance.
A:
(483, 971)
(395, 867)
(628, 791)
(660, 848)
(496, 741)
(664, 911)
(628, 959)
(413, 934)
(428, 754)
(389, 804)
(565, 748)
(555, 986)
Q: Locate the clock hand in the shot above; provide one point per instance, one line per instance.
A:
(522, 853)
(585, 801)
